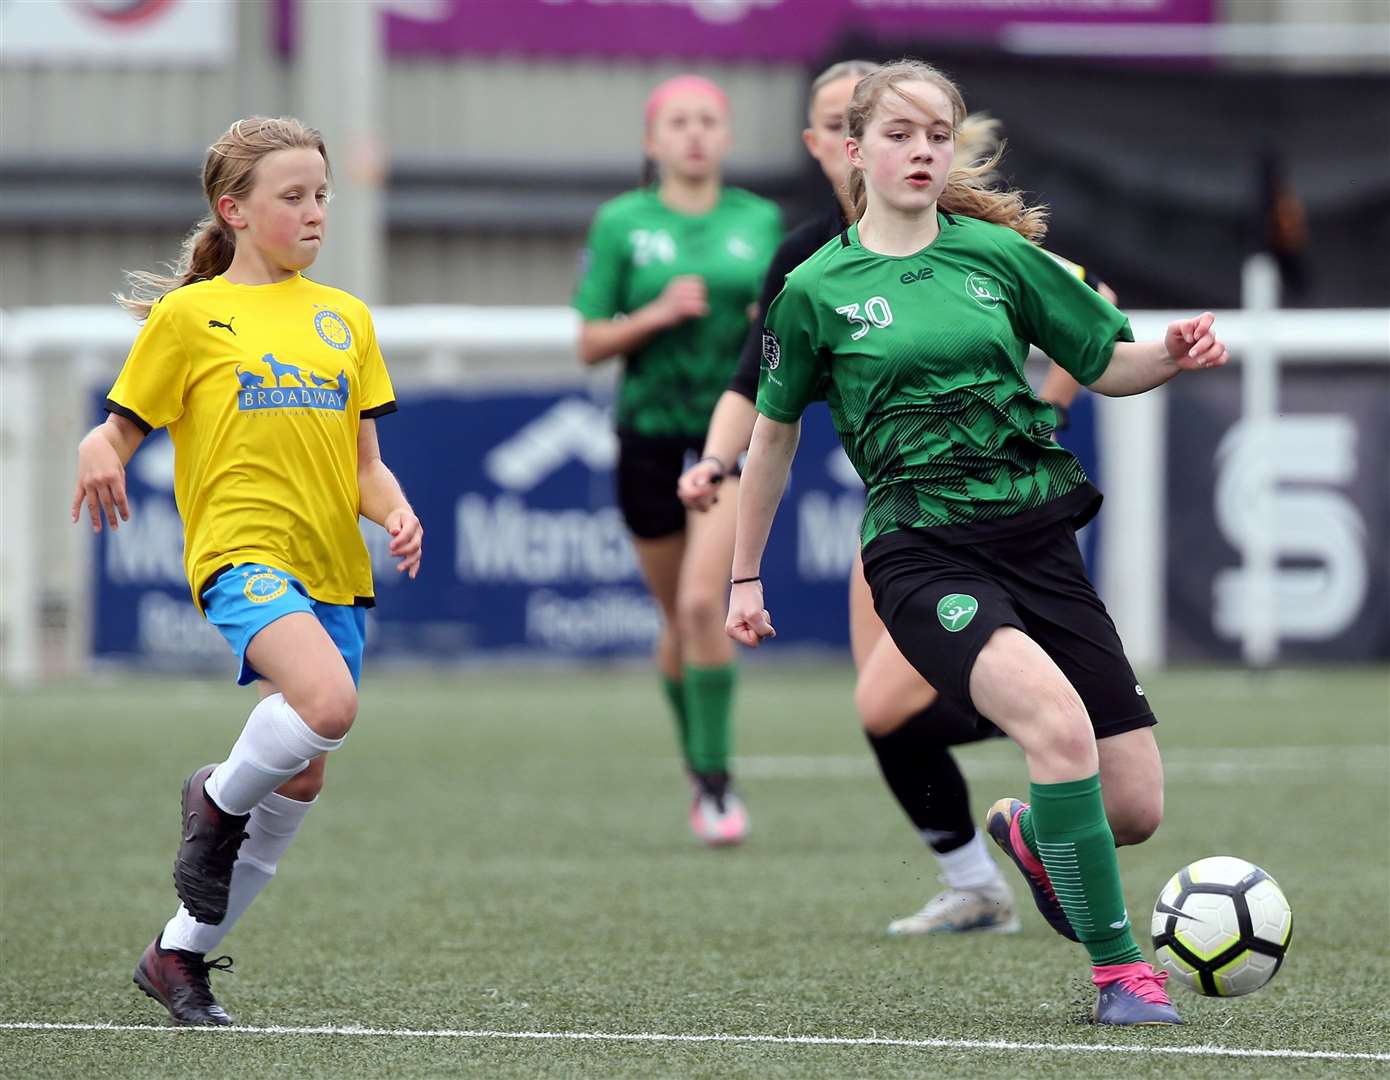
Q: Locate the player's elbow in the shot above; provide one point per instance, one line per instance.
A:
(591, 347)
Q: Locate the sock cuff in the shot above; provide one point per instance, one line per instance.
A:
(296, 736)
(1066, 789)
(721, 675)
(281, 816)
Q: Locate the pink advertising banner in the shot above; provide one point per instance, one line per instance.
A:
(787, 30)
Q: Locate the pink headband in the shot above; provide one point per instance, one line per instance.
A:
(682, 84)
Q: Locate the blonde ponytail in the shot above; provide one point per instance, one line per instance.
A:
(207, 251)
(229, 168)
(973, 186)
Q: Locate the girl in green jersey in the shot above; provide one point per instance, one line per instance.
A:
(913, 324)
(909, 726)
(671, 271)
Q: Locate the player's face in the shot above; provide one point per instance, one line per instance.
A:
(907, 147)
(287, 208)
(825, 138)
(689, 135)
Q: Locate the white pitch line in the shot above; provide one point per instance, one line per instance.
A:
(780, 1040)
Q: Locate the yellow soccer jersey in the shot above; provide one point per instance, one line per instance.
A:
(263, 388)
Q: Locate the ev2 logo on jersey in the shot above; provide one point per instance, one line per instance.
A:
(876, 313)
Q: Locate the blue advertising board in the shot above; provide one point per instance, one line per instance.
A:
(525, 552)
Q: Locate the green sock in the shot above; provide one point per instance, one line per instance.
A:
(1074, 842)
(709, 697)
(675, 695)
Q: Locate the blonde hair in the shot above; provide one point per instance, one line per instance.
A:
(229, 168)
(834, 73)
(973, 187)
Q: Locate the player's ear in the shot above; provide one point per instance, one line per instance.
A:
(855, 157)
(809, 138)
(230, 211)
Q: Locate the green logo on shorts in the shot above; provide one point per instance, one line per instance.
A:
(956, 610)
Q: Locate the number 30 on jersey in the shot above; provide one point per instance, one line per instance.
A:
(876, 313)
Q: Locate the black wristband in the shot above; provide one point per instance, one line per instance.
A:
(744, 580)
(711, 457)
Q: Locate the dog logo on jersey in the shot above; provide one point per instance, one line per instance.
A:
(772, 350)
(264, 586)
(280, 370)
(955, 611)
(984, 290)
(227, 326)
(333, 329)
(313, 392)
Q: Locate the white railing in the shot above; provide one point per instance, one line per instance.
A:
(52, 360)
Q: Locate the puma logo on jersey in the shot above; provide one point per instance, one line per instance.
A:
(917, 275)
(227, 326)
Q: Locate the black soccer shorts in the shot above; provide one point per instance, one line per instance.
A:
(942, 602)
(648, 468)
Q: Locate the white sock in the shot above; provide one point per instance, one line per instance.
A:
(274, 745)
(274, 821)
(969, 866)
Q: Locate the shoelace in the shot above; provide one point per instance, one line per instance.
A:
(196, 969)
(1140, 980)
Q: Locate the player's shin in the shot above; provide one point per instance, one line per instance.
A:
(274, 822)
(1065, 826)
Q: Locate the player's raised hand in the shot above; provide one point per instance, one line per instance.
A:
(748, 622)
(1192, 343)
(100, 483)
(407, 539)
(685, 297)
(698, 486)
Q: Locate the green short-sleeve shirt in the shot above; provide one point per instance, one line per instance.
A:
(920, 359)
(636, 245)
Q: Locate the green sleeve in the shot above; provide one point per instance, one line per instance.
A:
(794, 370)
(598, 295)
(1062, 315)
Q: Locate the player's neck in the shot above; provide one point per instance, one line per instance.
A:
(250, 267)
(689, 196)
(887, 231)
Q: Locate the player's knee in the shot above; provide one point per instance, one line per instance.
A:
(305, 786)
(1063, 731)
(697, 612)
(876, 714)
(330, 708)
(1138, 820)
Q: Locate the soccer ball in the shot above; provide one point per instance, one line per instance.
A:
(1221, 926)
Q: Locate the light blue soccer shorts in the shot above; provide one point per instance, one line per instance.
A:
(243, 600)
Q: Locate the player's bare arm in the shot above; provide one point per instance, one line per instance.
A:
(683, 298)
(382, 500)
(101, 462)
(764, 480)
(730, 428)
(1188, 345)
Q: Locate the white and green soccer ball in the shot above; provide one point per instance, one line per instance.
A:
(1221, 926)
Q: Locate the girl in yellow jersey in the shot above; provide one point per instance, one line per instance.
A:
(270, 385)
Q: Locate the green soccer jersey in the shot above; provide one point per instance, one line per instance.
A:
(920, 359)
(636, 245)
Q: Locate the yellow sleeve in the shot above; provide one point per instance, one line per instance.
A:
(378, 397)
(149, 390)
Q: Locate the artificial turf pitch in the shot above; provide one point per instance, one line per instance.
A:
(507, 852)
